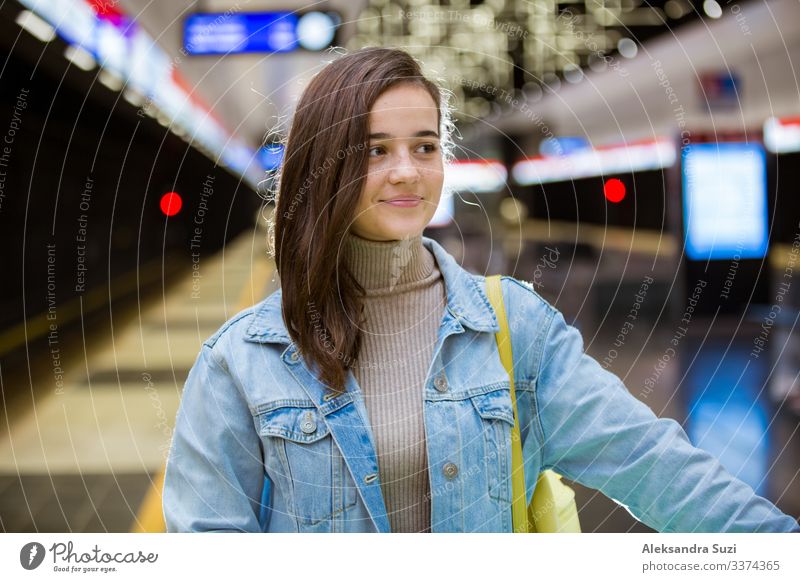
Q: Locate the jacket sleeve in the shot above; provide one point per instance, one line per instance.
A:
(214, 479)
(598, 434)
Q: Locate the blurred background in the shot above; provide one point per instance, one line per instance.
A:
(636, 161)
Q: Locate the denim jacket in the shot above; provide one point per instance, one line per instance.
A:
(260, 446)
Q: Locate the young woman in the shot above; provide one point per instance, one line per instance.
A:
(367, 394)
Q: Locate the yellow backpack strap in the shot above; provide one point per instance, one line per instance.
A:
(519, 512)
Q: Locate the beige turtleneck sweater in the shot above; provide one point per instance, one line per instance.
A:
(404, 306)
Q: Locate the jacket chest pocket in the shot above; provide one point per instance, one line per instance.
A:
(303, 460)
(496, 420)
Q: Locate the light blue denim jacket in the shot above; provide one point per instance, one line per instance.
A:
(260, 446)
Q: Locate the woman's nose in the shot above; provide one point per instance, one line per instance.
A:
(404, 170)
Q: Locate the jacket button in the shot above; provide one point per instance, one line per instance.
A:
(441, 383)
(450, 470)
(295, 356)
(309, 425)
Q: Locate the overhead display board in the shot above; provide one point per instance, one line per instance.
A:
(258, 32)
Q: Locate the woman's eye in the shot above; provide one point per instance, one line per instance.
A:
(427, 148)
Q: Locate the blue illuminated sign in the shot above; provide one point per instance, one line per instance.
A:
(258, 32)
(724, 201)
(270, 156)
(563, 146)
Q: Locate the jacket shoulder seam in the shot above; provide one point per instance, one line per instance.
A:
(215, 337)
(528, 286)
(218, 359)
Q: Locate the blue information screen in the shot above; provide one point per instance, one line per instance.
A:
(258, 32)
(223, 33)
(725, 201)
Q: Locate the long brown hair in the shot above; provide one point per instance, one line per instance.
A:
(318, 188)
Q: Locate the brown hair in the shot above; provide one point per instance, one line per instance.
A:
(318, 188)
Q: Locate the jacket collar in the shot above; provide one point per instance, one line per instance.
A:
(466, 300)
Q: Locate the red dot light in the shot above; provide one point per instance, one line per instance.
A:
(171, 203)
(614, 190)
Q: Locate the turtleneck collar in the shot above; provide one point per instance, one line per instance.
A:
(382, 265)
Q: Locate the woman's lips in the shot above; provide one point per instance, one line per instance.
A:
(404, 202)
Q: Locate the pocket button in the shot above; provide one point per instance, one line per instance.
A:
(309, 424)
(440, 383)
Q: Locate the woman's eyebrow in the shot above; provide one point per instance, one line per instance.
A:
(423, 133)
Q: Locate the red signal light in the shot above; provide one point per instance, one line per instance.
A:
(614, 190)
(171, 203)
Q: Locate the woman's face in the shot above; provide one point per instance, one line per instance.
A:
(405, 171)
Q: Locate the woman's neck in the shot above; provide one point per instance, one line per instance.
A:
(381, 265)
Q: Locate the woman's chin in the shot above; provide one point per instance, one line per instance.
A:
(397, 231)
(406, 233)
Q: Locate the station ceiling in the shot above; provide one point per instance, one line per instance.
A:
(477, 48)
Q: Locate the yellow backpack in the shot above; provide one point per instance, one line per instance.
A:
(552, 509)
